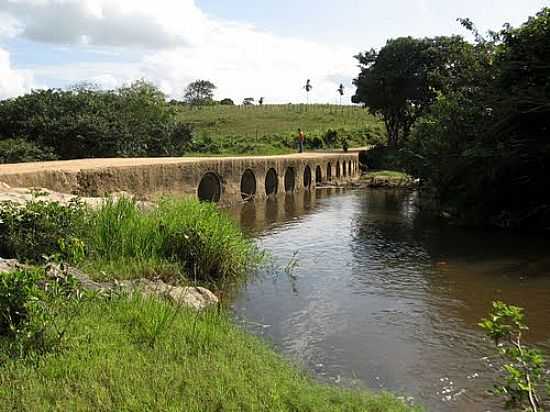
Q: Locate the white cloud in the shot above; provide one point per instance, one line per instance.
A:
(181, 44)
(12, 82)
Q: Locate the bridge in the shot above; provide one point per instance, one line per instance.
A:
(217, 179)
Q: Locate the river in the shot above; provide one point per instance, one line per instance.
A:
(363, 290)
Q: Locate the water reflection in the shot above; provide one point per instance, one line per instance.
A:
(386, 295)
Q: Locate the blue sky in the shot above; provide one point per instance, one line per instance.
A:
(247, 48)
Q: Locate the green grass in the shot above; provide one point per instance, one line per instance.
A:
(390, 174)
(177, 237)
(182, 240)
(136, 354)
(271, 129)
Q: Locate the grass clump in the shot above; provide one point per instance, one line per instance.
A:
(137, 354)
(188, 236)
(391, 174)
(175, 239)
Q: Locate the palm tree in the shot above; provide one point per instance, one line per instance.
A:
(308, 88)
(340, 91)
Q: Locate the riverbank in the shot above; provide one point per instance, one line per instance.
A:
(385, 179)
(70, 349)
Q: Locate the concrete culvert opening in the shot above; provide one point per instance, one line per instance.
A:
(329, 172)
(248, 185)
(210, 188)
(338, 170)
(318, 176)
(290, 178)
(344, 169)
(271, 183)
(307, 177)
(349, 169)
(363, 156)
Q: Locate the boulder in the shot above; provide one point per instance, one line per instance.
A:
(7, 265)
(197, 298)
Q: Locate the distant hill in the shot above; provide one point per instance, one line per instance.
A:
(271, 129)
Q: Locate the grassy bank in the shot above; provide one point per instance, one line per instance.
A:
(62, 348)
(271, 129)
(178, 240)
(138, 354)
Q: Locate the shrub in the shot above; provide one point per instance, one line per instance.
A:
(382, 157)
(20, 150)
(330, 137)
(524, 378)
(17, 289)
(40, 228)
(134, 120)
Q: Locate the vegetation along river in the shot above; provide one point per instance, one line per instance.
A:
(366, 291)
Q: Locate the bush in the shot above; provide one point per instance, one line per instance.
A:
(39, 228)
(17, 289)
(381, 157)
(20, 150)
(330, 137)
(134, 120)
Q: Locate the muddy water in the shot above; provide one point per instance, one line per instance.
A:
(365, 291)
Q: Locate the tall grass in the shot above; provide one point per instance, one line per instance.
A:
(175, 239)
(195, 238)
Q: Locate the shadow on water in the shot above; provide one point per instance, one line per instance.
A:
(386, 296)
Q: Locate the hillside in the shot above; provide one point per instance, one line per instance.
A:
(271, 129)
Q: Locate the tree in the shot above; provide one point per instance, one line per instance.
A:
(248, 101)
(308, 87)
(261, 101)
(340, 91)
(402, 80)
(199, 92)
(227, 102)
(483, 144)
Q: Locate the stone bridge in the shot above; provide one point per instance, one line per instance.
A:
(218, 179)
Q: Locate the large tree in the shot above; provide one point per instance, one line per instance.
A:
(402, 80)
(199, 92)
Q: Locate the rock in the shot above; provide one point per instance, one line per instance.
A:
(197, 298)
(7, 265)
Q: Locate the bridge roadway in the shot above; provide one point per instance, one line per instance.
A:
(225, 179)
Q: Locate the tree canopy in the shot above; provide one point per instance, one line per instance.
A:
(199, 92)
(402, 80)
(134, 120)
(483, 144)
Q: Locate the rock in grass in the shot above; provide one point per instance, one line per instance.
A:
(197, 298)
(8, 265)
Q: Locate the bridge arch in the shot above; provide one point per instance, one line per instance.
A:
(290, 179)
(248, 185)
(329, 172)
(307, 177)
(318, 175)
(271, 182)
(210, 188)
(338, 171)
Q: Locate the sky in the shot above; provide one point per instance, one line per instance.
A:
(248, 48)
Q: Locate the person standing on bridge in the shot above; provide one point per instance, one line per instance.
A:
(300, 141)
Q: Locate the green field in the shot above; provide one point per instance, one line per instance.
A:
(271, 129)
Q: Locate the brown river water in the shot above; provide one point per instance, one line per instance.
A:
(363, 290)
